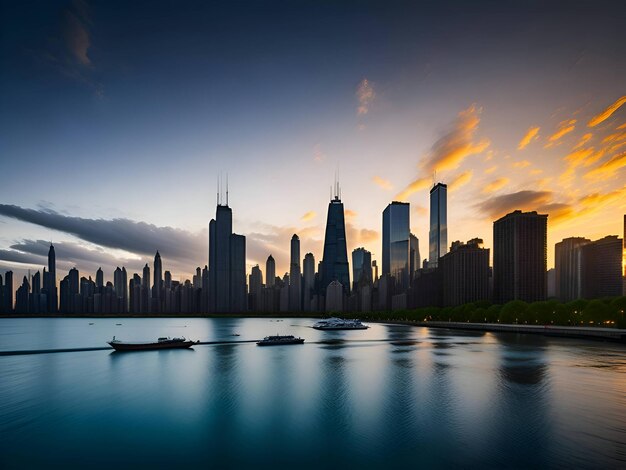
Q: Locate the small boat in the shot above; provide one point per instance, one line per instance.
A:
(340, 324)
(277, 340)
(118, 324)
(161, 343)
(235, 334)
(91, 323)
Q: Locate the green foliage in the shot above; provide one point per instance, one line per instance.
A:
(605, 312)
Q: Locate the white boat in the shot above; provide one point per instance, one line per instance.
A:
(339, 324)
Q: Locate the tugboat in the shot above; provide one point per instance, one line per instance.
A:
(277, 340)
(339, 324)
(161, 343)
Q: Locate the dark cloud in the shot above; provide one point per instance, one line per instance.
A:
(140, 238)
(524, 200)
(13, 256)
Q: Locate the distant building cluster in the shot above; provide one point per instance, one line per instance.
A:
(451, 276)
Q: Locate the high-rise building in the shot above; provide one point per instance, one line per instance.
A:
(295, 277)
(465, 273)
(396, 244)
(227, 262)
(438, 233)
(157, 285)
(21, 297)
(520, 257)
(270, 272)
(335, 258)
(415, 261)
(334, 297)
(50, 281)
(308, 280)
(568, 268)
(361, 267)
(602, 268)
(256, 281)
(100, 278)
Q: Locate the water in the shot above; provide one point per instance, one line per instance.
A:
(435, 398)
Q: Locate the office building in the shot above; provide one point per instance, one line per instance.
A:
(602, 268)
(465, 273)
(396, 244)
(568, 268)
(335, 258)
(438, 233)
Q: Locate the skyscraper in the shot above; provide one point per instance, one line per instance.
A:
(396, 244)
(415, 262)
(602, 268)
(438, 233)
(51, 281)
(335, 258)
(520, 257)
(100, 278)
(157, 286)
(308, 268)
(295, 278)
(270, 272)
(465, 273)
(227, 262)
(361, 266)
(568, 268)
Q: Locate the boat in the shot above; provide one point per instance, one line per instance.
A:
(339, 324)
(278, 339)
(161, 343)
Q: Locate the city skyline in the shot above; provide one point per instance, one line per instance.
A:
(112, 156)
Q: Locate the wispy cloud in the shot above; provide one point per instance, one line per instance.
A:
(310, 215)
(521, 164)
(457, 144)
(450, 150)
(416, 185)
(460, 180)
(607, 113)
(531, 134)
(609, 168)
(382, 183)
(77, 38)
(365, 95)
(565, 127)
(490, 170)
(496, 185)
(583, 140)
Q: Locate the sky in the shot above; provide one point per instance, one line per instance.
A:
(117, 118)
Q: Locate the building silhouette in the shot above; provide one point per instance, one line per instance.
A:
(602, 268)
(361, 266)
(157, 285)
(520, 257)
(396, 245)
(308, 282)
(415, 260)
(335, 257)
(465, 273)
(334, 297)
(270, 271)
(438, 233)
(568, 266)
(295, 277)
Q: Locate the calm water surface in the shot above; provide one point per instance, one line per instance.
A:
(390, 396)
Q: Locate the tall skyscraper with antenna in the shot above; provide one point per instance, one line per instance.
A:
(227, 259)
(335, 259)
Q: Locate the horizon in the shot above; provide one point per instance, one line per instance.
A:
(115, 125)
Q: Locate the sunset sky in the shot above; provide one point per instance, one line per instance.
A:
(116, 120)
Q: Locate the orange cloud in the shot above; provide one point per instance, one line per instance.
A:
(461, 180)
(521, 164)
(457, 144)
(365, 94)
(531, 134)
(349, 214)
(604, 115)
(536, 171)
(616, 137)
(383, 183)
(565, 127)
(495, 207)
(608, 168)
(421, 210)
(308, 216)
(495, 185)
(417, 185)
(490, 170)
(583, 140)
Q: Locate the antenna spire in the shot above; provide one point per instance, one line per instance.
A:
(226, 189)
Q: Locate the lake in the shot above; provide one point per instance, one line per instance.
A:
(391, 396)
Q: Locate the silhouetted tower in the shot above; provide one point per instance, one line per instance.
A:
(396, 244)
(335, 259)
(295, 278)
(158, 282)
(308, 280)
(270, 271)
(51, 281)
(99, 279)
